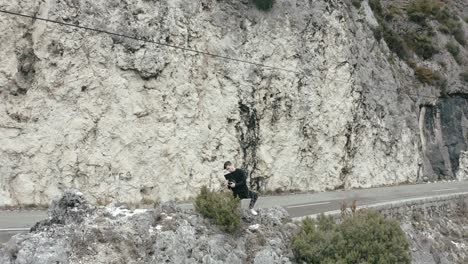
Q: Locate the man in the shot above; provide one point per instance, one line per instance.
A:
(237, 183)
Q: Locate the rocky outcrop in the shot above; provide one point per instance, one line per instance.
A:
(438, 235)
(463, 171)
(130, 121)
(166, 234)
(438, 240)
(445, 133)
(79, 232)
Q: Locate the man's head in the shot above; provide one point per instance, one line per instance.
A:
(229, 166)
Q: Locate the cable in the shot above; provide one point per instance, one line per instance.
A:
(307, 76)
(149, 41)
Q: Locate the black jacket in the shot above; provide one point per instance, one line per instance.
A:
(240, 178)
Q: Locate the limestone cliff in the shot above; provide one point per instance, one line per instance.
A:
(126, 120)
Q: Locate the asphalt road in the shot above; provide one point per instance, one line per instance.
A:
(12, 222)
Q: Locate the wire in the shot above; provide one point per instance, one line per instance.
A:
(307, 76)
(149, 41)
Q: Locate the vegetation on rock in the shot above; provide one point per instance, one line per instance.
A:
(223, 208)
(362, 237)
(426, 75)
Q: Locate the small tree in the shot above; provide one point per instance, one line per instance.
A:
(363, 237)
(223, 208)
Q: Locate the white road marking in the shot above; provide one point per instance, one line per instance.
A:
(305, 205)
(14, 229)
(441, 190)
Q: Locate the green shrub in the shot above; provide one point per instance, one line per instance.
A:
(395, 43)
(426, 75)
(422, 45)
(223, 208)
(448, 26)
(264, 4)
(363, 237)
(418, 17)
(464, 76)
(459, 60)
(378, 32)
(453, 48)
(376, 7)
(357, 3)
(454, 27)
(432, 7)
(445, 16)
(393, 10)
(459, 35)
(420, 10)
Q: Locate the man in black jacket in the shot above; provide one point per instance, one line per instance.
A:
(237, 183)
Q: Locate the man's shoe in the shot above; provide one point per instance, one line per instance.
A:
(253, 212)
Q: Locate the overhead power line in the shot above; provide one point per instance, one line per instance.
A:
(308, 75)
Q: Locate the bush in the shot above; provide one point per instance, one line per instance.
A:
(426, 75)
(264, 4)
(448, 26)
(395, 43)
(223, 208)
(419, 10)
(459, 35)
(364, 237)
(422, 45)
(378, 32)
(376, 7)
(393, 11)
(357, 3)
(454, 27)
(464, 76)
(453, 48)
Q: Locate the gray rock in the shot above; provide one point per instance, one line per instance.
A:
(82, 233)
(266, 256)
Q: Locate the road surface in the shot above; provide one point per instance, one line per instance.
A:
(13, 222)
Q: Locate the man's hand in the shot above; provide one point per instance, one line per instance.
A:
(232, 184)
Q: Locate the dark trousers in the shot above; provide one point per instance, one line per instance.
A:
(252, 195)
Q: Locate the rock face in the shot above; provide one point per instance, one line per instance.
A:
(165, 234)
(125, 120)
(438, 238)
(463, 171)
(445, 131)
